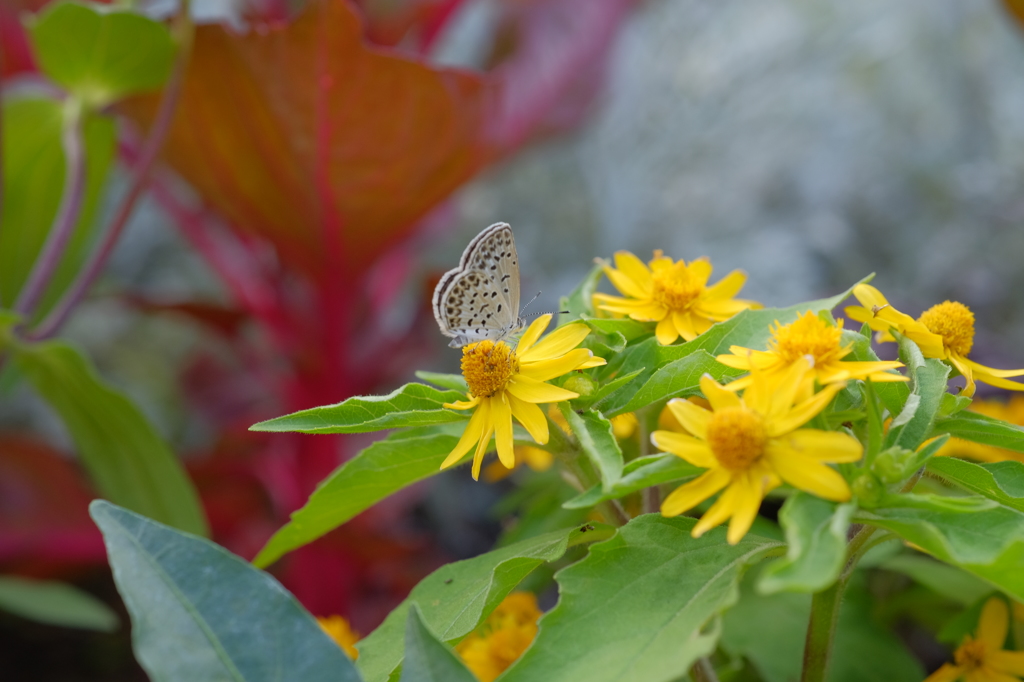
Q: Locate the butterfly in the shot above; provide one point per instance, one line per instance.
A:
(479, 299)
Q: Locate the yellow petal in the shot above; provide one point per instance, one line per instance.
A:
(724, 507)
(533, 391)
(1011, 662)
(987, 674)
(824, 446)
(869, 296)
(991, 371)
(660, 261)
(558, 342)
(638, 273)
(802, 412)
(626, 284)
(994, 623)
(684, 324)
(469, 437)
(531, 417)
(532, 333)
(691, 449)
(463, 404)
(693, 418)
(593, 362)
(642, 311)
(806, 473)
(968, 373)
(724, 309)
(748, 501)
(502, 418)
(666, 331)
(689, 495)
(947, 673)
(481, 449)
(556, 367)
(717, 395)
(728, 286)
(700, 270)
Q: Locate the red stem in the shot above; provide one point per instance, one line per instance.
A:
(151, 148)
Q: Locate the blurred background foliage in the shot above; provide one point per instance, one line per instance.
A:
(327, 160)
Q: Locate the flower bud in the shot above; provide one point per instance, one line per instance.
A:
(890, 465)
(868, 490)
(580, 383)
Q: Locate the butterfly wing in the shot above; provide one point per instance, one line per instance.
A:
(480, 298)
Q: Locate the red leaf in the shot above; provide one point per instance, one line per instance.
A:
(329, 148)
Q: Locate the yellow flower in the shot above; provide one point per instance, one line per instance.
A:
(750, 445)
(505, 383)
(673, 294)
(944, 331)
(981, 658)
(624, 425)
(807, 336)
(535, 458)
(502, 638)
(1011, 411)
(342, 633)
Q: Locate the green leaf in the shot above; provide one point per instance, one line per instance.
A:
(101, 53)
(635, 609)
(892, 394)
(427, 659)
(580, 301)
(1002, 482)
(125, 457)
(410, 405)
(914, 423)
(56, 603)
(982, 429)
(638, 474)
(376, 472)
(594, 434)
(457, 597)
(973, 533)
(454, 382)
(816, 535)
(949, 581)
(629, 329)
(596, 398)
(678, 379)
(769, 630)
(33, 183)
(201, 613)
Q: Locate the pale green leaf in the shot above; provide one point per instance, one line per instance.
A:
(594, 434)
(125, 457)
(410, 405)
(453, 382)
(56, 603)
(101, 53)
(456, 598)
(1002, 482)
(200, 613)
(678, 379)
(816, 536)
(579, 302)
(949, 581)
(637, 608)
(980, 428)
(914, 423)
(378, 471)
(638, 474)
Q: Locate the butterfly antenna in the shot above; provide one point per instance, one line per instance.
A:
(535, 297)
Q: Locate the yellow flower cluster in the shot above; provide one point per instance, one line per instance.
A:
(981, 658)
(502, 638)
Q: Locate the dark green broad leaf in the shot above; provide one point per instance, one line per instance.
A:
(426, 658)
(410, 405)
(378, 471)
(594, 434)
(638, 474)
(457, 597)
(636, 608)
(980, 428)
(769, 630)
(580, 302)
(1002, 482)
(201, 613)
(816, 534)
(892, 394)
(914, 423)
(598, 397)
(629, 329)
(453, 382)
(678, 379)
(949, 581)
(101, 53)
(125, 457)
(973, 533)
(55, 603)
(33, 182)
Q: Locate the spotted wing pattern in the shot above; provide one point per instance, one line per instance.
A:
(480, 298)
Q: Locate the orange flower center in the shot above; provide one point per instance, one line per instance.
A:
(737, 437)
(808, 335)
(954, 322)
(970, 654)
(676, 287)
(487, 367)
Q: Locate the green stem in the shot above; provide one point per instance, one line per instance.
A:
(821, 630)
(702, 671)
(647, 418)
